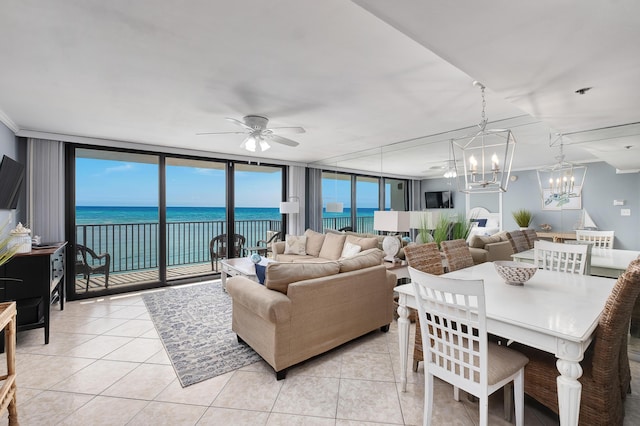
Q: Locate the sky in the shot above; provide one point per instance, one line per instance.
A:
(118, 183)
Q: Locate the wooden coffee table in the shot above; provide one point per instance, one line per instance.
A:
(240, 266)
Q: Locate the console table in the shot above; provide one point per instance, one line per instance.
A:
(32, 280)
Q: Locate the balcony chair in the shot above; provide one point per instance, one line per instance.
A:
(605, 379)
(456, 327)
(263, 247)
(424, 258)
(561, 257)
(457, 254)
(218, 248)
(600, 239)
(88, 262)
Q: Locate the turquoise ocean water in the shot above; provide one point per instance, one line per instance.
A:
(108, 215)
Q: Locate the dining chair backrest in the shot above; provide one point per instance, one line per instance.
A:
(587, 267)
(531, 235)
(425, 258)
(601, 239)
(453, 319)
(457, 254)
(518, 241)
(561, 257)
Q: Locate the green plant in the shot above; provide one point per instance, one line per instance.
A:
(522, 217)
(424, 232)
(6, 252)
(461, 228)
(441, 231)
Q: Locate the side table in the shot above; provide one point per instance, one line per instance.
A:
(8, 389)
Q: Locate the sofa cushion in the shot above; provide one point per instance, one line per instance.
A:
(332, 246)
(314, 242)
(295, 244)
(479, 241)
(296, 258)
(365, 242)
(350, 250)
(280, 275)
(364, 259)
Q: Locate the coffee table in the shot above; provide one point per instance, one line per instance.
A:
(240, 266)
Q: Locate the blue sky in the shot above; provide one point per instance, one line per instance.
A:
(119, 183)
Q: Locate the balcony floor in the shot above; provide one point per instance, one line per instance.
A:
(120, 279)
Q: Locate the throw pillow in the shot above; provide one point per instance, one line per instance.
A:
(332, 246)
(350, 250)
(295, 244)
(314, 242)
(280, 275)
(364, 259)
(365, 242)
(481, 222)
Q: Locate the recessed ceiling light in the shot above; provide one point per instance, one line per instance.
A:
(583, 90)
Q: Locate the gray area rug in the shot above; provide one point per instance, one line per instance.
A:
(194, 323)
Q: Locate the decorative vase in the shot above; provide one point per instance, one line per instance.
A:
(255, 258)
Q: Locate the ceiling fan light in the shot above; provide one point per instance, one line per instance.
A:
(264, 145)
(249, 144)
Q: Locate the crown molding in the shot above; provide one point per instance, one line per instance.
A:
(4, 118)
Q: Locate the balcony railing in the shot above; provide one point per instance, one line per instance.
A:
(134, 246)
(363, 223)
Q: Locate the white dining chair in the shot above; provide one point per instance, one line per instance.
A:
(561, 257)
(600, 239)
(452, 318)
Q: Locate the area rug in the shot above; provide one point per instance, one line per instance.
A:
(194, 324)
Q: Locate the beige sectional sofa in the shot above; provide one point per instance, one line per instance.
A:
(321, 247)
(307, 308)
(487, 248)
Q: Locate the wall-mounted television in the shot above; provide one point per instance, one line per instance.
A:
(439, 199)
(11, 176)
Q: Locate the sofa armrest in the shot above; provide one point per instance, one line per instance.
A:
(270, 305)
(479, 255)
(278, 247)
(499, 251)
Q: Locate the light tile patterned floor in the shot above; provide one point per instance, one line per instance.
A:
(105, 365)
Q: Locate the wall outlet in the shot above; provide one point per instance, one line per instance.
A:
(625, 212)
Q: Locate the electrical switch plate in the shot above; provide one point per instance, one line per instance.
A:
(618, 202)
(625, 212)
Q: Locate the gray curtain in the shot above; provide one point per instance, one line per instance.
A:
(297, 189)
(45, 189)
(314, 199)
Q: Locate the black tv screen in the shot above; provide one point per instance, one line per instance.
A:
(439, 200)
(11, 176)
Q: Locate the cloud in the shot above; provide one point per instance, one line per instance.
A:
(118, 169)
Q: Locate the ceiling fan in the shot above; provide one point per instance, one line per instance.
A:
(259, 134)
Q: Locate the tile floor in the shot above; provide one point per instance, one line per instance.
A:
(105, 365)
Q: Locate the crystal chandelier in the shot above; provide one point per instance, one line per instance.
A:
(561, 181)
(486, 157)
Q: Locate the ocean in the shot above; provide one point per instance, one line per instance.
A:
(101, 215)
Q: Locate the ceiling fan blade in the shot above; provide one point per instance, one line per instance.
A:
(285, 130)
(240, 123)
(222, 133)
(280, 139)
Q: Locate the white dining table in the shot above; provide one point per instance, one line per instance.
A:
(555, 312)
(604, 262)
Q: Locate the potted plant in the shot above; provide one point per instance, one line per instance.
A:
(6, 251)
(522, 217)
(441, 231)
(461, 228)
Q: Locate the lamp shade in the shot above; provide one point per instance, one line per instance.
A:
(289, 207)
(334, 207)
(391, 221)
(423, 219)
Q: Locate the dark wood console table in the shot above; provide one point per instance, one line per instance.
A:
(32, 281)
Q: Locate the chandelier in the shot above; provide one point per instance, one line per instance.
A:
(561, 181)
(485, 157)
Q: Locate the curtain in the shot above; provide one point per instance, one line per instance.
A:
(314, 199)
(297, 189)
(45, 189)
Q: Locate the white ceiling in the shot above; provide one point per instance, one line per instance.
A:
(358, 76)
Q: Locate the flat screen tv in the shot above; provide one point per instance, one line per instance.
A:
(11, 176)
(439, 199)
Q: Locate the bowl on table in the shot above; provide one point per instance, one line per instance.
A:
(515, 273)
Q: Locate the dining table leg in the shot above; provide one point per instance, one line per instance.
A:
(569, 388)
(403, 338)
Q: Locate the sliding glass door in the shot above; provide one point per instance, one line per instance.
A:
(196, 214)
(116, 220)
